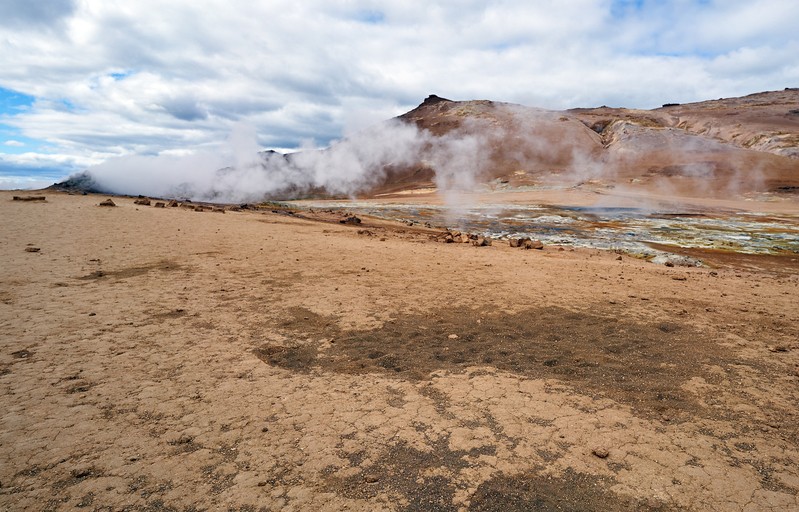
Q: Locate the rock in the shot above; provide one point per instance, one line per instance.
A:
(669, 263)
(32, 249)
(81, 472)
(532, 244)
(29, 198)
(448, 238)
(371, 478)
(185, 439)
(482, 241)
(365, 232)
(350, 219)
(453, 336)
(462, 238)
(778, 348)
(619, 258)
(199, 209)
(160, 204)
(142, 201)
(219, 210)
(108, 202)
(173, 204)
(601, 452)
(515, 242)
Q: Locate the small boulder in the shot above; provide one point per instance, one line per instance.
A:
(482, 241)
(142, 201)
(108, 202)
(160, 204)
(32, 249)
(350, 219)
(532, 244)
(600, 452)
(173, 204)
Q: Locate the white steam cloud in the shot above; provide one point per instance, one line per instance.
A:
(480, 141)
(358, 163)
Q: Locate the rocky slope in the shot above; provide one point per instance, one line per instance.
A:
(724, 148)
(718, 148)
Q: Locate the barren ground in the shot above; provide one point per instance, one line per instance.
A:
(167, 359)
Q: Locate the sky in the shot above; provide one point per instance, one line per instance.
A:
(83, 82)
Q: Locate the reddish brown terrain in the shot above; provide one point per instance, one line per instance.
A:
(212, 357)
(179, 358)
(717, 148)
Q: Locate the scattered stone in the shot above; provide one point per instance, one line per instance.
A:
(600, 452)
(481, 241)
(82, 472)
(619, 258)
(160, 204)
(669, 263)
(108, 202)
(453, 336)
(679, 278)
(365, 232)
(350, 219)
(219, 210)
(199, 209)
(778, 348)
(142, 201)
(371, 478)
(515, 242)
(29, 198)
(173, 204)
(32, 249)
(533, 244)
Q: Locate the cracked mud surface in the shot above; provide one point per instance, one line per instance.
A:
(165, 359)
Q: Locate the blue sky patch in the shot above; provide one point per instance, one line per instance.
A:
(13, 142)
(13, 102)
(120, 75)
(371, 17)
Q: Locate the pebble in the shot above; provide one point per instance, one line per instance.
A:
(602, 453)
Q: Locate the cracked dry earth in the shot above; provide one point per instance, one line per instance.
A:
(165, 359)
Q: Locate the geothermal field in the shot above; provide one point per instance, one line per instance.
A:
(488, 307)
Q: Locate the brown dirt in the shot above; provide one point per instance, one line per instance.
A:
(154, 359)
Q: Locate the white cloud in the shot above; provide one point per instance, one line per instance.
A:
(14, 143)
(146, 77)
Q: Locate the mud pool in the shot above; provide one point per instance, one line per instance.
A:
(629, 230)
